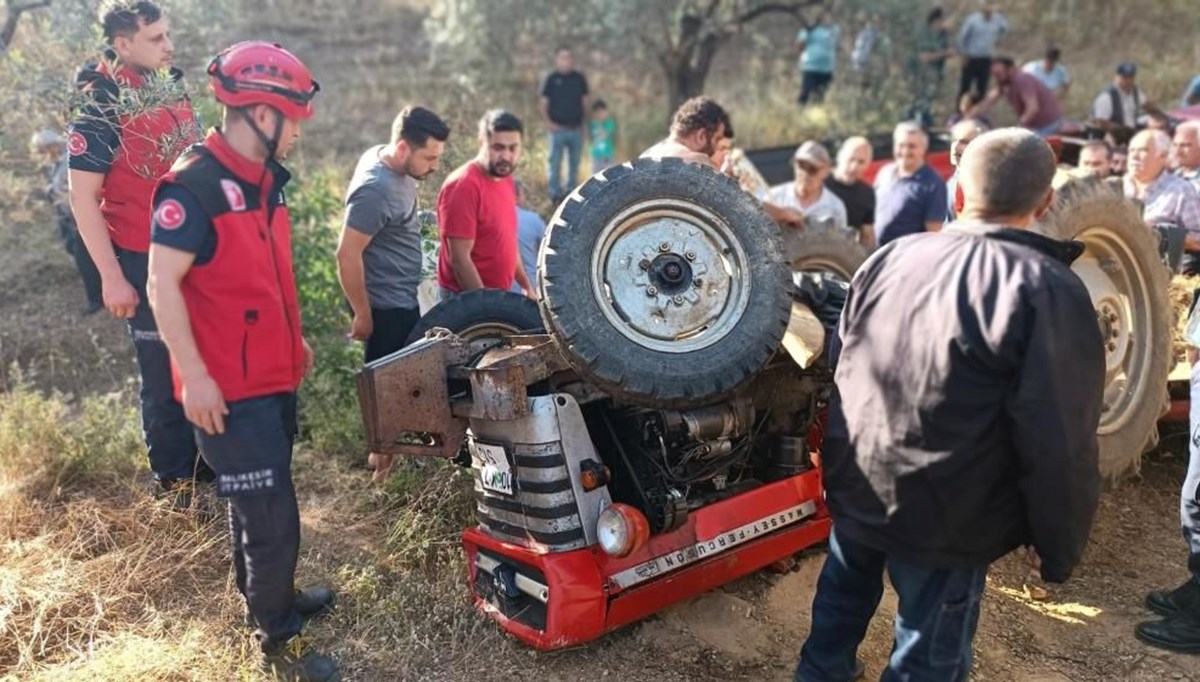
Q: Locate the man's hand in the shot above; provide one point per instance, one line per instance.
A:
(791, 217)
(530, 292)
(120, 297)
(383, 466)
(362, 326)
(204, 405)
(310, 358)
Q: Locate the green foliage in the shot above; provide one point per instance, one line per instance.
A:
(43, 438)
(37, 71)
(330, 417)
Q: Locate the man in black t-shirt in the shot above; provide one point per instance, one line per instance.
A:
(846, 182)
(564, 100)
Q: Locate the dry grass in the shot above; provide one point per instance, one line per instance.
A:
(92, 567)
(101, 581)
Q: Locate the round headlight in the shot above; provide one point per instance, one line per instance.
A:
(621, 529)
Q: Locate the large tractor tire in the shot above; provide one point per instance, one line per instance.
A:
(482, 314)
(1127, 281)
(830, 252)
(664, 283)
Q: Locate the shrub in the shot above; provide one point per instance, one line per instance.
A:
(49, 445)
(330, 418)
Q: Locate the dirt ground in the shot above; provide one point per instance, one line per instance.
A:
(752, 629)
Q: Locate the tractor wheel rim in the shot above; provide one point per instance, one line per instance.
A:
(819, 264)
(670, 276)
(1121, 295)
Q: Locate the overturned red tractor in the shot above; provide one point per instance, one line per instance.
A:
(651, 428)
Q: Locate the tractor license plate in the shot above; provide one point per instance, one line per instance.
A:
(495, 470)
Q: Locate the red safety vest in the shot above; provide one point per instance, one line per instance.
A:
(242, 304)
(150, 141)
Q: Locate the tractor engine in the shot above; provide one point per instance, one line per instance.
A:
(670, 462)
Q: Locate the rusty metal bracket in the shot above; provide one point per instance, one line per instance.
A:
(405, 401)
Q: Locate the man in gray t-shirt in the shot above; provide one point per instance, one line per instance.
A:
(379, 254)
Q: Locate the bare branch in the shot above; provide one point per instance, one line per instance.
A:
(792, 8)
(13, 16)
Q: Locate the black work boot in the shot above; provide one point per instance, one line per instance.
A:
(1169, 603)
(310, 603)
(1180, 632)
(293, 661)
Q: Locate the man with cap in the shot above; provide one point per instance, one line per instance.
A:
(968, 435)
(807, 194)
(1117, 107)
(224, 294)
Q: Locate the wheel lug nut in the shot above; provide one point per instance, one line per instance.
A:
(697, 282)
(690, 255)
(1112, 346)
(678, 300)
(664, 247)
(645, 264)
(651, 291)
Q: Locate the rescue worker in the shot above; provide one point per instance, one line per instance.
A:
(224, 294)
(970, 435)
(53, 147)
(119, 148)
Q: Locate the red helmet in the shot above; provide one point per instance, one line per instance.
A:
(257, 72)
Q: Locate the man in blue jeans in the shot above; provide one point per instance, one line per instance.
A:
(960, 430)
(563, 105)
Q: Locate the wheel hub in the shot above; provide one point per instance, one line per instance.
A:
(669, 275)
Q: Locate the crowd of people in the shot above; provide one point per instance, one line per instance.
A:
(192, 248)
(1036, 90)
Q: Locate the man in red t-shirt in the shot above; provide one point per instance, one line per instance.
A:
(1036, 106)
(477, 212)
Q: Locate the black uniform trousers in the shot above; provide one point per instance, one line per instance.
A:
(253, 464)
(170, 439)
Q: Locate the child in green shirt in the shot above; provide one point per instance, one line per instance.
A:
(602, 131)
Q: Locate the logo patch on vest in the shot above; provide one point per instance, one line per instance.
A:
(76, 143)
(233, 194)
(170, 215)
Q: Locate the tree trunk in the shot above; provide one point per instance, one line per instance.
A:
(687, 69)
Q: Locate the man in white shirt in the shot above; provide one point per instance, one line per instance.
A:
(821, 208)
(977, 43)
(1118, 105)
(1050, 71)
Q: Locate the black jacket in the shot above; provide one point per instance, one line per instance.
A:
(969, 389)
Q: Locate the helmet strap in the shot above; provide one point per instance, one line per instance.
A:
(270, 143)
